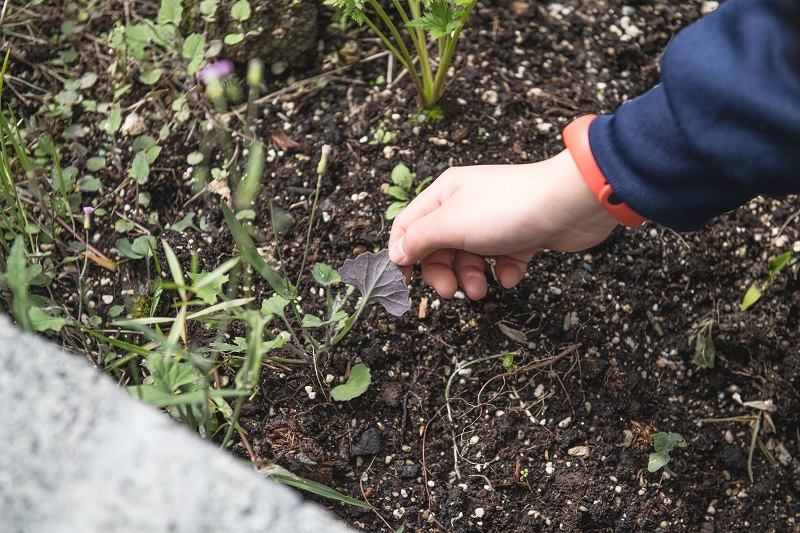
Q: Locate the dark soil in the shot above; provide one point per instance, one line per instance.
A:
(559, 445)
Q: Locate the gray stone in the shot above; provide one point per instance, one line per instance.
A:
(370, 443)
(79, 454)
(284, 31)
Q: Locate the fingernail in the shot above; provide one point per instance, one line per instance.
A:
(396, 252)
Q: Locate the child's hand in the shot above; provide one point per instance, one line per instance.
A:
(510, 212)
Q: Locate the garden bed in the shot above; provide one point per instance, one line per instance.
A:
(560, 440)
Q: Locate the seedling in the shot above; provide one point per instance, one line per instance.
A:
(424, 22)
(402, 189)
(705, 352)
(664, 444)
(755, 290)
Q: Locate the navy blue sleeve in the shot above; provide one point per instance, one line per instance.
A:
(721, 128)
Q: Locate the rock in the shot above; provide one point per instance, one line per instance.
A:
(408, 471)
(370, 443)
(279, 31)
(80, 454)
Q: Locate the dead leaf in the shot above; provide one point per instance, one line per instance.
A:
(283, 141)
(513, 334)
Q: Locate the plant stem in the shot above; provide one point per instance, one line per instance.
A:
(402, 55)
(447, 57)
(420, 42)
(351, 323)
(234, 419)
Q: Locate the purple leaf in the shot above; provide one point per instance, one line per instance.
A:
(379, 280)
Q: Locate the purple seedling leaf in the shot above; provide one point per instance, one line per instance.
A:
(379, 280)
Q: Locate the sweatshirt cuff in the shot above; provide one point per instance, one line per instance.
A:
(650, 165)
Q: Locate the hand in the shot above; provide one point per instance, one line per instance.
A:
(510, 212)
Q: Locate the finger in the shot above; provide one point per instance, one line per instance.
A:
(422, 214)
(437, 271)
(470, 273)
(510, 269)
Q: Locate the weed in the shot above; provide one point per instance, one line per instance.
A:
(757, 288)
(403, 190)
(664, 444)
(705, 352)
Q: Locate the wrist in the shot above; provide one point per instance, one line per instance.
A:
(576, 138)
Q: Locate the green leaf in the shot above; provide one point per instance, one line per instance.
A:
(123, 226)
(143, 142)
(666, 442)
(353, 9)
(248, 250)
(752, 295)
(41, 321)
(240, 10)
(140, 169)
(422, 185)
(152, 153)
(93, 164)
(402, 177)
(779, 263)
(184, 223)
(194, 50)
(441, 21)
(170, 12)
(151, 76)
(275, 305)
(394, 209)
(208, 293)
(657, 461)
(154, 396)
(325, 275)
(194, 158)
(398, 193)
(284, 477)
(89, 184)
(208, 7)
(311, 321)
(357, 383)
(233, 38)
(112, 125)
(16, 279)
(87, 80)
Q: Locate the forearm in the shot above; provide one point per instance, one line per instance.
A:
(724, 125)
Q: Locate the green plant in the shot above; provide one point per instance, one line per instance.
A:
(402, 188)
(424, 22)
(664, 444)
(757, 288)
(705, 352)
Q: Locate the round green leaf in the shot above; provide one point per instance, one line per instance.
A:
(357, 384)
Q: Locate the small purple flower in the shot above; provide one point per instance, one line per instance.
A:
(87, 219)
(215, 71)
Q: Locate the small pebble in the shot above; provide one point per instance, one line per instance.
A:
(490, 97)
(708, 7)
(479, 512)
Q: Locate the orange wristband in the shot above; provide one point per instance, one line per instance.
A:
(576, 138)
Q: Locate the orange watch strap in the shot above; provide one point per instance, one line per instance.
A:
(576, 138)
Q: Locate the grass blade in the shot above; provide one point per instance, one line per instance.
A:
(248, 250)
